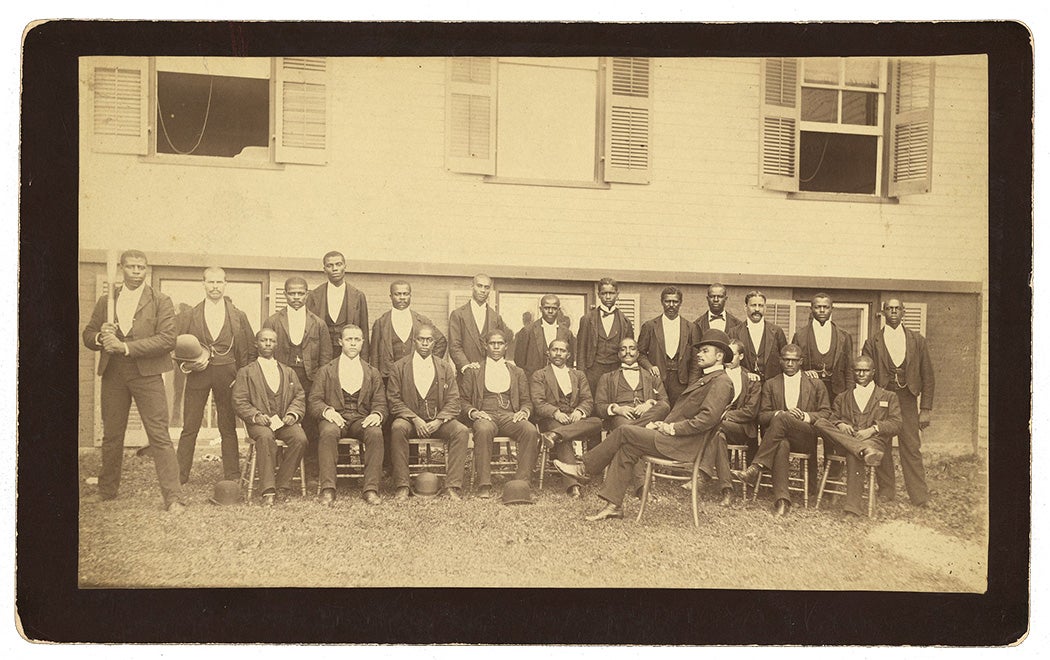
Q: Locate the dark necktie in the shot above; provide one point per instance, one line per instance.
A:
(634, 368)
(605, 313)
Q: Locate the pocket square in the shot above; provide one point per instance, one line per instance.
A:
(884, 404)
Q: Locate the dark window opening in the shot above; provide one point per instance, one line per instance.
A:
(837, 163)
(204, 115)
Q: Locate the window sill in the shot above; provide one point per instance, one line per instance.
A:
(550, 183)
(211, 161)
(842, 197)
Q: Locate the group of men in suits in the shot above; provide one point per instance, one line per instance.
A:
(312, 376)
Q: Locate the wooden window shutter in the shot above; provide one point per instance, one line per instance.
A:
(456, 299)
(470, 115)
(301, 132)
(779, 132)
(914, 317)
(782, 313)
(629, 304)
(628, 119)
(277, 299)
(911, 127)
(120, 105)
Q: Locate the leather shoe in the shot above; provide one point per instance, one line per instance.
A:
(727, 497)
(574, 492)
(282, 495)
(548, 439)
(575, 471)
(781, 508)
(401, 495)
(372, 498)
(454, 495)
(609, 511)
(872, 457)
(485, 492)
(750, 476)
(269, 499)
(176, 508)
(327, 497)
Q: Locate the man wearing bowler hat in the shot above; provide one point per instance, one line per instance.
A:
(687, 429)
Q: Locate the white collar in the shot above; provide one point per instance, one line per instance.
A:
(715, 367)
(549, 325)
(348, 361)
(563, 368)
(268, 361)
(760, 324)
(899, 330)
(607, 309)
(215, 303)
(394, 311)
(869, 388)
(796, 377)
(818, 326)
(476, 306)
(496, 363)
(297, 312)
(419, 359)
(337, 286)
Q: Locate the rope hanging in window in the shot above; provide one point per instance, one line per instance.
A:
(819, 162)
(204, 126)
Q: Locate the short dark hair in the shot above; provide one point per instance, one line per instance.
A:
(295, 279)
(351, 326)
(424, 326)
(822, 295)
(753, 294)
(608, 281)
(399, 283)
(738, 343)
(672, 290)
(718, 284)
(333, 253)
(794, 348)
(559, 340)
(262, 330)
(492, 333)
(133, 254)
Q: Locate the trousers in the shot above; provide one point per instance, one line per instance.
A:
(524, 435)
(855, 469)
(785, 434)
(216, 379)
(587, 430)
(909, 446)
(620, 452)
(266, 454)
(328, 435)
(452, 433)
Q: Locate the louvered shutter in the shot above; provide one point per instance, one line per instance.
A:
(911, 127)
(779, 132)
(277, 299)
(470, 115)
(914, 317)
(301, 133)
(628, 119)
(457, 299)
(782, 313)
(120, 105)
(629, 304)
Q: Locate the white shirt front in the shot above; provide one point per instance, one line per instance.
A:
(423, 374)
(862, 395)
(215, 316)
(717, 323)
(296, 325)
(735, 375)
(550, 332)
(272, 373)
(351, 374)
(401, 319)
(479, 312)
(631, 375)
(822, 333)
(756, 330)
(336, 296)
(607, 318)
(497, 376)
(792, 386)
(672, 335)
(126, 304)
(896, 344)
(561, 374)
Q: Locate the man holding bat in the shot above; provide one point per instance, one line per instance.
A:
(135, 331)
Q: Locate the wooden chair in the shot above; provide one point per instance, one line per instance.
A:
(738, 461)
(504, 459)
(346, 467)
(797, 483)
(425, 459)
(546, 466)
(248, 474)
(838, 486)
(665, 468)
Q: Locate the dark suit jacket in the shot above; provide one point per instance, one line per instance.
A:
(744, 409)
(651, 347)
(317, 345)
(530, 353)
(327, 391)
(381, 349)
(812, 399)
(474, 390)
(465, 344)
(355, 311)
(191, 321)
(546, 393)
(590, 330)
(773, 340)
(841, 366)
(731, 323)
(404, 399)
(250, 393)
(918, 368)
(696, 416)
(152, 332)
(605, 393)
(883, 408)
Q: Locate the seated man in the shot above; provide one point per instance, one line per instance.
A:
(268, 397)
(863, 422)
(688, 428)
(563, 403)
(349, 400)
(424, 402)
(791, 405)
(630, 395)
(495, 400)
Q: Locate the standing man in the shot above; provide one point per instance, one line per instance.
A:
(562, 400)
(630, 395)
(903, 366)
(665, 345)
(496, 400)
(687, 429)
(601, 331)
(349, 400)
(762, 339)
(530, 353)
(827, 350)
(229, 344)
(269, 399)
(424, 402)
(338, 302)
(304, 345)
(469, 324)
(863, 423)
(392, 332)
(136, 349)
(717, 317)
(791, 405)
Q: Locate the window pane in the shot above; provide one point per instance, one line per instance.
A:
(839, 163)
(860, 108)
(820, 105)
(212, 115)
(821, 70)
(862, 72)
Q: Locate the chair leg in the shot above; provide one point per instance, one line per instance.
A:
(871, 492)
(695, 483)
(645, 489)
(247, 465)
(803, 465)
(823, 483)
(302, 476)
(543, 464)
(253, 455)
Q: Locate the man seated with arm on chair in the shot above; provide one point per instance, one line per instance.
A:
(563, 403)
(268, 397)
(349, 399)
(685, 432)
(424, 402)
(496, 399)
(863, 422)
(791, 405)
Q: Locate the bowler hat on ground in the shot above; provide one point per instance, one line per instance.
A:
(517, 491)
(718, 339)
(426, 484)
(187, 349)
(227, 491)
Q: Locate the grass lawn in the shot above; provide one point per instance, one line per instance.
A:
(132, 542)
